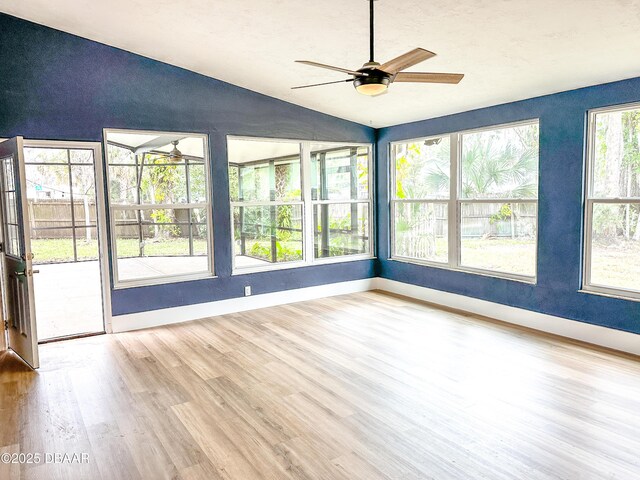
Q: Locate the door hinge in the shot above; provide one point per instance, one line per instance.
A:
(6, 324)
(1, 247)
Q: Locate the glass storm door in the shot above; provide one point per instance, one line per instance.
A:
(18, 302)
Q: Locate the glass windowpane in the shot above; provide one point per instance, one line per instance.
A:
(84, 195)
(12, 214)
(615, 245)
(123, 183)
(52, 246)
(266, 171)
(87, 243)
(267, 234)
(339, 172)
(501, 163)
(48, 196)
(499, 237)
(341, 229)
(197, 183)
(13, 244)
(163, 183)
(616, 156)
(9, 183)
(46, 155)
(421, 231)
(423, 169)
(81, 156)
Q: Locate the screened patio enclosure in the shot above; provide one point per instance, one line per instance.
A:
(270, 204)
(158, 188)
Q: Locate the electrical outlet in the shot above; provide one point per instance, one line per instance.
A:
(247, 290)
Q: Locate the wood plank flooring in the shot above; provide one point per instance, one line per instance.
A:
(362, 386)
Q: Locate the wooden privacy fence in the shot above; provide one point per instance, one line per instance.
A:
(423, 224)
(51, 218)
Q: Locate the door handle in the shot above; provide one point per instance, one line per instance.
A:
(26, 272)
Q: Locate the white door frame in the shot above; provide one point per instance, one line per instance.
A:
(103, 244)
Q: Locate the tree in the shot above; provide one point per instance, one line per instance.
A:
(501, 163)
(422, 171)
(616, 173)
(631, 161)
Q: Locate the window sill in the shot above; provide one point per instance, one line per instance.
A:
(162, 280)
(293, 265)
(473, 271)
(621, 295)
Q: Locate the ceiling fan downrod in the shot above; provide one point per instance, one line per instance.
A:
(371, 32)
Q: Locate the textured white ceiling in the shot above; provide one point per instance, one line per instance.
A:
(508, 49)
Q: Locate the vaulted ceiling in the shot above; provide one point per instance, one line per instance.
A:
(508, 49)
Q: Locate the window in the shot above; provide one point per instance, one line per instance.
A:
(612, 217)
(295, 203)
(422, 196)
(340, 198)
(266, 202)
(468, 200)
(62, 204)
(159, 205)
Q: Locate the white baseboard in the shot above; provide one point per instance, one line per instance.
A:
(166, 316)
(594, 334)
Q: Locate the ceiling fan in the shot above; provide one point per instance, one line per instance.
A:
(374, 78)
(175, 155)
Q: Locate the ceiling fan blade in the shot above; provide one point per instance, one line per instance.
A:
(331, 67)
(407, 60)
(420, 77)
(325, 83)
(159, 141)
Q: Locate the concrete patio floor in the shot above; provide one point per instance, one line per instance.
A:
(68, 296)
(68, 299)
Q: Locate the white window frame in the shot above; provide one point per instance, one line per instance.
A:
(454, 203)
(307, 208)
(206, 206)
(590, 202)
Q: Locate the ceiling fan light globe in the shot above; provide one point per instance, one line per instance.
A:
(371, 89)
(372, 85)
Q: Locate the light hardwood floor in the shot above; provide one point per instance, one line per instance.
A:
(362, 386)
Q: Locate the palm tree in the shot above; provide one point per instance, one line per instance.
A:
(495, 167)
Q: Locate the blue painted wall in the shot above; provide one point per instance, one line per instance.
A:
(562, 149)
(61, 87)
(57, 86)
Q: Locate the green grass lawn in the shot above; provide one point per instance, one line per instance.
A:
(616, 265)
(497, 254)
(502, 255)
(48, 250)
